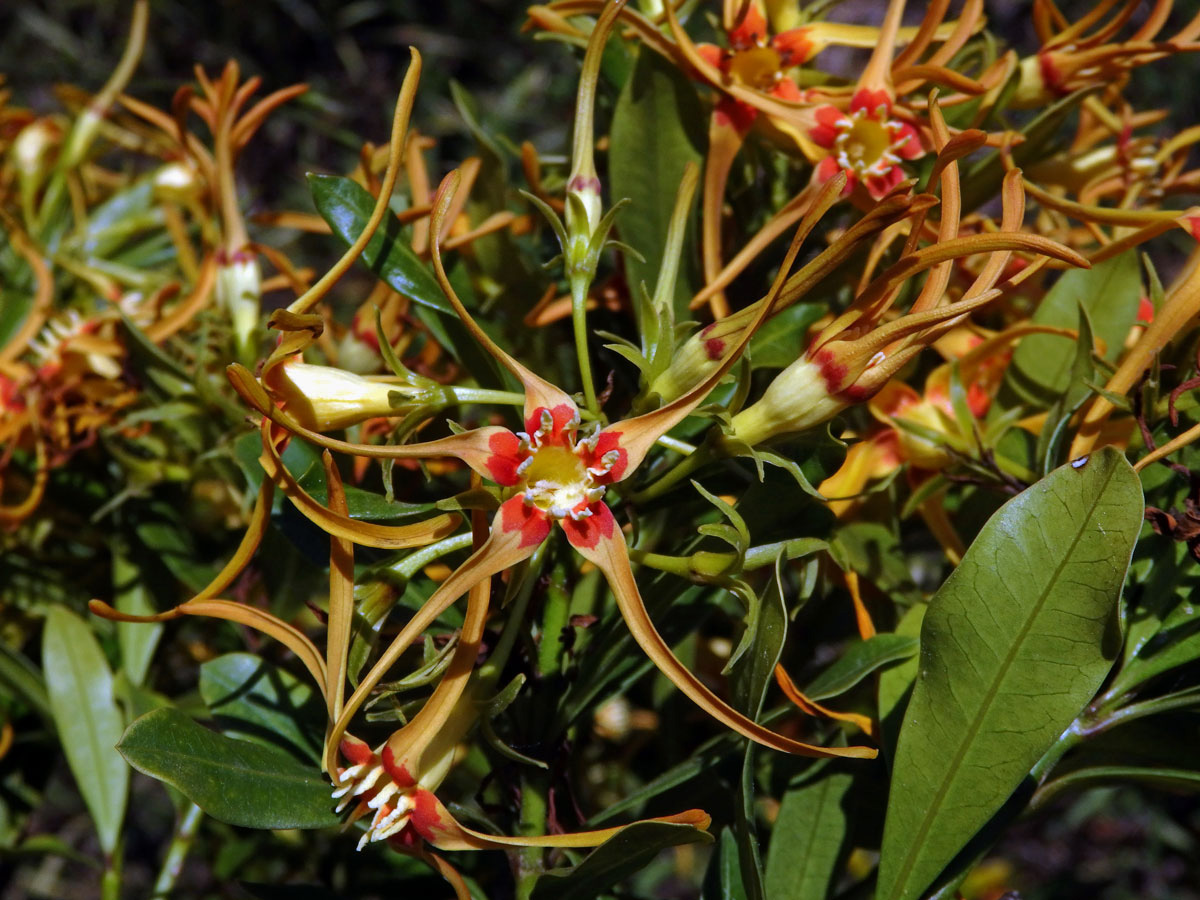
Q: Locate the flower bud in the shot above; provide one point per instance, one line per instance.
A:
(176, 182)
(32, 146)
(701, 354)
(238, 290)
(799, 398)
(30, 152)
(322, 398)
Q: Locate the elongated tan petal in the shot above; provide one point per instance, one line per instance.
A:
(250, 616)
(447, 833)
(539, 393)
(340, 526)
(501, 550)
(812, 708)
(611, 556)
(430, 735)
(341, 593)
(404, 105)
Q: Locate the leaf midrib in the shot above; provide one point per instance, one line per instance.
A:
(939, 797)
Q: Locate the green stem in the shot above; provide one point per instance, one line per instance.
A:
(555, 614)
(483, 395)
(415, 562)
(681, 447)
(110, 881)
(682, 469)
(533, 822)
(489, 672)
(579, 292)
(177, 851)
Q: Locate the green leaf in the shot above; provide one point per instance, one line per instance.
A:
(131, 595)
(783, 338)
(657, 129)
(21, 679)
(896, 682)
(617, 858)
(1110, 292)
(80, 686)
(809, 838)
(233, 781)
(724, 880)
(255, 701)
(748, 682)
(1013, 646)
(858, 661)
(1174, 780)
(347, 207)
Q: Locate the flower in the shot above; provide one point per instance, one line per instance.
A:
(866, 143)
(555, 473)
(1072, 58)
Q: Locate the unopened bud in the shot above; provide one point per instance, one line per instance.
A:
(32, 146)
(239, 290)
(176, 182)
(322, 398)
(798, 399)
(701, 355)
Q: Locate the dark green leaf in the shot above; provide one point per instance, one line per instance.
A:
(748, 682)
(233, 781)
(80, 686)
(858, 661)
(617, 858)
(1096, 776)
(347, 207)
(657, 129)
(1014, 644)
(21, 680)
(724, 879)
(809, 838)
(1110, 292)
(255, 701)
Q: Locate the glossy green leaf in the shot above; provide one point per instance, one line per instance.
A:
(347, 207)
(657, 129)
(858, 661)
(1162, 630)
(258, 702)
(617, 858)
(809, 838)
(233, 781)
(1110, 292)
(1013, 646)
(80, 686)
(1082, 779)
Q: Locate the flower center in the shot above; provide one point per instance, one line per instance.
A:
(393, 805)
(756, 67)
(557, 482)
(862, 142)
(559, 475)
